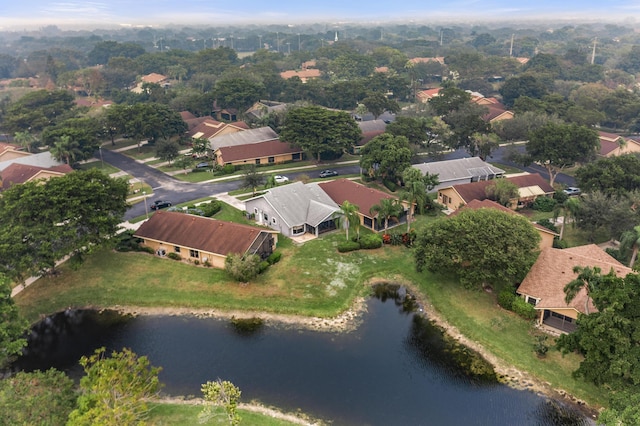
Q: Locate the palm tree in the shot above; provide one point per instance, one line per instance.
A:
(587, 279)
(25, 139)
(388, 208)
(349, 217)
(415, 190)
(65, 148)
(631, 240)
(569, 209)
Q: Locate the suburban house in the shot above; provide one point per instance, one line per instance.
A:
(268, 152)
(295, 209)
(10, 151)
(263, 108)
(253, 146)
(209, 128)
(612, 145)
(426, 95)
(341, 190)
(202, 239)
(530, 187)
(370, 129)
(153, 78)
(17, 173)
(459, 171)
(544, 285)
(42, 159)
(546, 234)
(304, 75)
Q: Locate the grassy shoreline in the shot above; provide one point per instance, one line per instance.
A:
(326, 284)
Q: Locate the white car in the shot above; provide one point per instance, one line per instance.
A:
(281, 179)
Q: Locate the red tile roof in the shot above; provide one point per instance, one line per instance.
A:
(341, 190)
(199, 233)
(476, 190)
(554, 270)
(303, 74)
(270, 148)
(153, 78)
(8, 147)
(20, 173)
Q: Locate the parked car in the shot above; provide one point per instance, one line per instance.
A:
(280, 179)
(572, 190)
(328, 173)
(202, 165)
(160, 204)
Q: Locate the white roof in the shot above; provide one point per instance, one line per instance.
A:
(462, 168)
(246, 137)
(300, 204)
(42, 159)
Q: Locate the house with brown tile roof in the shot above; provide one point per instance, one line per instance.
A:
(341, 190)
(370, 129)
(304, 75)
(208, 128)
(427, 94)
(543, 287)
(202, 239)
(546, 235)
(16, 174)
(612, 145)
(530, 186)
(10, 151)
(153, 78)
(268, 152)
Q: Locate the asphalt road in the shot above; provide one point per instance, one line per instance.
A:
(166, 187)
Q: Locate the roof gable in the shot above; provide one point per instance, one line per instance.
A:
(251, 136)
(554, 270)
(461, 168)
(20, 173)
(476, 190)
(341, 190)
(199, 233)
(257, 150)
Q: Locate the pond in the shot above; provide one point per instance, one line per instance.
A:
(395, 368)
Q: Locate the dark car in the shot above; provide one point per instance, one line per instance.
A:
(160, 204)
(202, 165)
(328, 173)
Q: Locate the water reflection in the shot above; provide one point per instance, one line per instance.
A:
(394, 369)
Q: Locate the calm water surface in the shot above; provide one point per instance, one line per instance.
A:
(393, 370)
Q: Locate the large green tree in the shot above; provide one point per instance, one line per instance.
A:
(320, 131)
(115, 389)
(12, 326)
(385, 157)
(36, 398)
(239, 93)
(37, 110)
(613, 176)
(482, 247)
(377, 103)
(68, 215)
(556, 146)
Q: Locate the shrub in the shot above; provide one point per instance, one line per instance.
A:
(174, 256)
(371, 241)
(227, 169)
(127, 242)
(547, 224)
(347, 246)
(242, 267)
(262, 266)
(386, 238)
(391, 186)
(522, 308)
(540, 346)
(559, 244)
(197, 262)
(206, 263)
(274, 257)
(211, 208)
(396, 239)
(544, 204)
(506, 298)
(147, 250)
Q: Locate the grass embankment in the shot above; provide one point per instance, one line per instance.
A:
(312, 280)
(164, 414)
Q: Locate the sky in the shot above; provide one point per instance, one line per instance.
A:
(33, 13)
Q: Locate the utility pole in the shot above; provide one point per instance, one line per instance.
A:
(511, 48)
(593, 53)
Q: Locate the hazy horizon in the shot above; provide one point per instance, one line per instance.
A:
(87, 14)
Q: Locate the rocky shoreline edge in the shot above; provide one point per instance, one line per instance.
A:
(350, 320)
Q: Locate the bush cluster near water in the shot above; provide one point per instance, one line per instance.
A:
(510, 301)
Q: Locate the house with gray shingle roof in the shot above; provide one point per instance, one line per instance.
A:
(246, 137)
(295, 209)
(459, 171)
(543, 287)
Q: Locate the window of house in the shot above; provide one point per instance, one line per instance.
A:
(255, 210)
(272, 159)
(176, 249)
(273, 220)
(266, 217)
(257, 161)
(194, 253)
(295, 156)
(297, 230)
(532, 301)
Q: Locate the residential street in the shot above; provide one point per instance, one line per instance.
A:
(176, 191)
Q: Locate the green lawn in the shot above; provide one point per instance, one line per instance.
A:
(187, 415)
(326, 283)
(103, 167)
